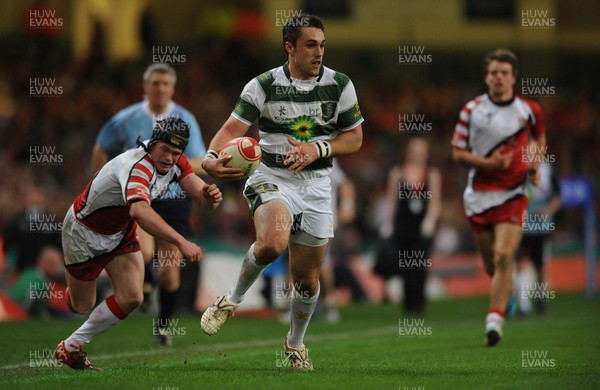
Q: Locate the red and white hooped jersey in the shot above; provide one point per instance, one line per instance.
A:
(485, 126)
(129, 177)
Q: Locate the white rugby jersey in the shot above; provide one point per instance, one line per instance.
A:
(484, 126)
(306, 110)
(129, 177)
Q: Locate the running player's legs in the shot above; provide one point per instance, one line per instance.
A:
(306, 258)
(327, 281)
(507, 237)
(272, 222)
(169, 260)
(305, 266)
(147, 244)
(82, 294)
(176, 213)
(126, 271)
(539, 252)
(485, 243)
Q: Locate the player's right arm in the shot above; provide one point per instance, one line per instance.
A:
(498, 160)
(247, 109)
(215, 167)
(145, 216)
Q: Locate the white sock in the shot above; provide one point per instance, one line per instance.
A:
(302, 311)
(248, 274)
(494, 319)
(104, 316)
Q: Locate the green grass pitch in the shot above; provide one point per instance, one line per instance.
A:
(371, 348)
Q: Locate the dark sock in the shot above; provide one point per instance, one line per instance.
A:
(149, 274)
(167, 305)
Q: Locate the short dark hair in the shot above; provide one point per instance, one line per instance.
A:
(501, 55)
(292, 26)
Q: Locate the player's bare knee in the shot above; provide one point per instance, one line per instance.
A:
(267, 252)
(503, 261)
(130, 301)
(306, 285)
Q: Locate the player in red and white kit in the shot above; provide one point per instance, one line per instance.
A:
(493, 136)
(99, 230)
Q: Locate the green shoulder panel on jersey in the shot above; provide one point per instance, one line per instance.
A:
(349, 117)
(352, 115)
(342, 80)
(265, 80)
(246, 110)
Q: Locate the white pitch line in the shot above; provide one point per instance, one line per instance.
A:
(386, 331)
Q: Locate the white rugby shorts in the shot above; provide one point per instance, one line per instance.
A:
(308, 201)
(81, 244)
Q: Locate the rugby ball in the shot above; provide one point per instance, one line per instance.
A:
(246, 154)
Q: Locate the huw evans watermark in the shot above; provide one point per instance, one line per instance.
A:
(44, 223)
(44, 155)
(44, 19)
(44, 87)
(537, 19)
(285, 291)
(283, 16)
(168, 326)
(413, 55)
(413, 191)
(168, 54)
(414, 124)
(537, 291)
(537, 87)
(43, 358)
(414, 327)
(536, 359)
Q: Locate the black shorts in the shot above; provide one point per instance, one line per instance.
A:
(537, 246)
(176, 212)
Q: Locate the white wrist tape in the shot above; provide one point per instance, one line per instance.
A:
(211, 154)
(323, 149)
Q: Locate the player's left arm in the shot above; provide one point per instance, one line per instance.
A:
(207, 195)
(347, 142)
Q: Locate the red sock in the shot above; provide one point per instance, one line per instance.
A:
(497, 311)
(114, 307)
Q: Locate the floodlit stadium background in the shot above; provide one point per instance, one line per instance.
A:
(96, 51)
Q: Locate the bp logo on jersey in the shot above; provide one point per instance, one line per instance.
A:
(302, 128)
(328, 110)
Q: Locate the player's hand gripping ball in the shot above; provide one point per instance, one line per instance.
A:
(246, 154)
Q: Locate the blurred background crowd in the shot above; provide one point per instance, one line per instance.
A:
(226, 44)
